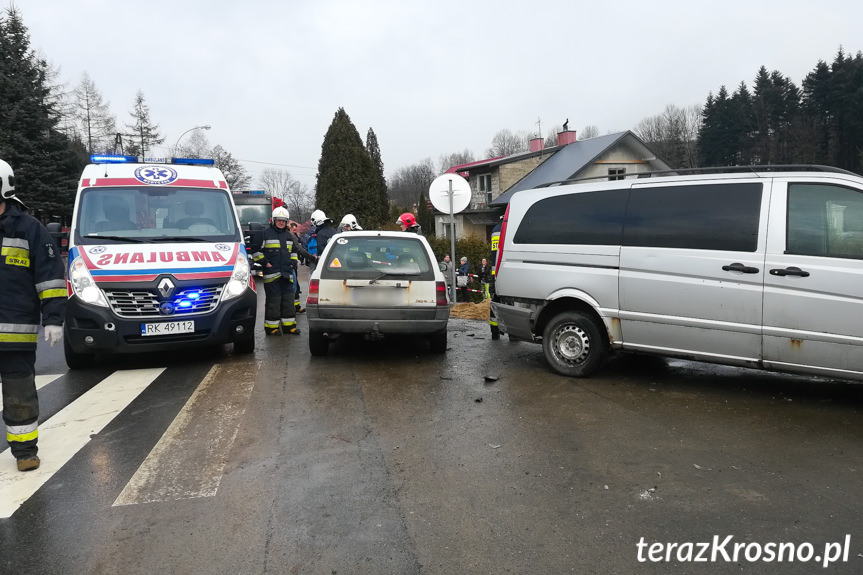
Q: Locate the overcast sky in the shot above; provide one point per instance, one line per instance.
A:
(430, 78)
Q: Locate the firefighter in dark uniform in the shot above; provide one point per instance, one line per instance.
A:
(276, 255)
(32, 291)
(492, 258)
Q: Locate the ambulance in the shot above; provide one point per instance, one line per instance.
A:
(156, 261)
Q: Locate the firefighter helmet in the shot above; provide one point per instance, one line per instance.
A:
(407, 220)
(349, 222)
(319, 218)
(7, 181)
(281, 213)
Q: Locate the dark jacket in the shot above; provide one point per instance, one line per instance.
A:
(324, 234)
(32, 280)
(279, 249)
(464, 269)
(485, 273)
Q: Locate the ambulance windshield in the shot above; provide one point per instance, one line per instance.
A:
(151, 213)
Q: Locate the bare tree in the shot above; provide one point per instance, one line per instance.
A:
(505, 143)
(407, 184)
(551, 136)
(447, 161)
(96, 123)
(196, 145)
(673, 134)
(296, 195)
(588, 132)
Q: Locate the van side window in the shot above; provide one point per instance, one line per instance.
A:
(589, 218)
(701, 217)
(825, 220)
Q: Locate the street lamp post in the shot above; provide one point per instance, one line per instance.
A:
(177, 145)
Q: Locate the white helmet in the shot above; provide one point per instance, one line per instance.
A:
(281, 213)
(349, 222)
(7, 181)
(319, 218)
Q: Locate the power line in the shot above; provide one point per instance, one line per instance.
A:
(275, 164)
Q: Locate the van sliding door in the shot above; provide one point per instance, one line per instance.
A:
(692, 270)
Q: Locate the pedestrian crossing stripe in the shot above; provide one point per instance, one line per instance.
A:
(64, 434)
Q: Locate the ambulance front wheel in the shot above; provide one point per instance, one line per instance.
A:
(76, 360)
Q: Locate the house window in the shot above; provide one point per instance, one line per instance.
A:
(616, 173)
(485, 183)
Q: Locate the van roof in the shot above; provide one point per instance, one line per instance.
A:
(133, 174)
(762, 171)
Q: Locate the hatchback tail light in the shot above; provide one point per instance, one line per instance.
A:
(313, 292)
(440, 287)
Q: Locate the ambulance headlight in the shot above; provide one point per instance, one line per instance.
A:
(83, 285)
(239, 280)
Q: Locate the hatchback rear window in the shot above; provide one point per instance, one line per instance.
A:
(373, 257)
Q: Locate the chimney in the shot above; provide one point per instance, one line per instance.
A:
(565, 137)
(537, 144)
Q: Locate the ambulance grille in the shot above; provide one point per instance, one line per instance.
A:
(145, 304)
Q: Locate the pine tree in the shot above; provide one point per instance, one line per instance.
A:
(374, 151)
(235, 173)
(347, 176)
(146, 134)
(97, 124)
(46, 164)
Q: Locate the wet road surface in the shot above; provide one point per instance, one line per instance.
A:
(386, 458)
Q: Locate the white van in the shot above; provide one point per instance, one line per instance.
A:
(754, 268)
(156, 261)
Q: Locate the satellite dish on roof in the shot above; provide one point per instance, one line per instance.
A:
(439, 193)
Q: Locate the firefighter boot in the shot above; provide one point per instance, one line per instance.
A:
(28, 463)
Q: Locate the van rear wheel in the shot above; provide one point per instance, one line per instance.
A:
(573, 344)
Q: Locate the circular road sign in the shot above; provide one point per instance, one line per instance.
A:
(439, 193)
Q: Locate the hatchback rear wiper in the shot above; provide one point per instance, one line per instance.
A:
(394, 274)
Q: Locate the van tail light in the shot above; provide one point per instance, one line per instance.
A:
(314, 287)
(500, 241)
(440, 287)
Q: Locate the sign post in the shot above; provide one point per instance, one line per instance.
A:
(450, 193)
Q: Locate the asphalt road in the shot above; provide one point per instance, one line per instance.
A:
(386, 458)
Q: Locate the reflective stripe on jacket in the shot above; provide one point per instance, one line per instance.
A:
(32, 281)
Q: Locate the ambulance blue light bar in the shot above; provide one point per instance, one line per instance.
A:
(121, 159)
(112, 159)
(194, 161)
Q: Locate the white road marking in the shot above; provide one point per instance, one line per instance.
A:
(189, 459)
(41, 381)
(62, 436)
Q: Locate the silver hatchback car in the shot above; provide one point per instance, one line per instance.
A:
(377, 283)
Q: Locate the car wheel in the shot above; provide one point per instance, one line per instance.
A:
(244, 346)
(318, 343)
(573, 344)
(77, 360)
(438, 341)
(495, 332)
